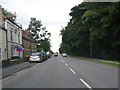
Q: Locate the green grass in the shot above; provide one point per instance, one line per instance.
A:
(113, 63)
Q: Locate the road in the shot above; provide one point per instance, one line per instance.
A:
(64, 72)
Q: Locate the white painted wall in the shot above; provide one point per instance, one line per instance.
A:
(15, 39)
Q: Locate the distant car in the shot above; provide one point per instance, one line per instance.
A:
(36, 57)
(64, 55)
(55, 54)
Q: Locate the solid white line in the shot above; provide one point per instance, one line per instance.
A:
(85, 84)
(72, 70)
(66, 64)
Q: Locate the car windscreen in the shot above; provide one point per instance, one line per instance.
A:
(35, 54)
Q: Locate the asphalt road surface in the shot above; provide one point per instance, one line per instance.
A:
(64, 72)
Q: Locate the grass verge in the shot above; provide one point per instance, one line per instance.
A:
(108, 62)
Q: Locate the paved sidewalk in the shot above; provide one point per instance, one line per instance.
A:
(15, 68)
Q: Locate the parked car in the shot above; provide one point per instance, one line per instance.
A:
(36, 57)
(48, 55)
(44, 55)
(64, 55)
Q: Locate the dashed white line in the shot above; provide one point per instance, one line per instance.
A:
(85, 84)
(72, 70)
(66, 64)
(63, 61)
(80, 79)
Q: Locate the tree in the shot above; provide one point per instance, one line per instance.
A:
(7, 14)
(34, 29)
(44, 42)
(39, 34)
(96, 25)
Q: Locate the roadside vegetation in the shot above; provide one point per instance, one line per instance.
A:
(93, 31)
(108, 62)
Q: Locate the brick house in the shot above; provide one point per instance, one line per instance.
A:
(29, 45)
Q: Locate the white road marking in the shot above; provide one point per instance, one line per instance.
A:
(85, 83)
(63, 61)
(72, 70)
(66, 64)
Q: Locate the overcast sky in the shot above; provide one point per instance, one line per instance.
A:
(52, 13)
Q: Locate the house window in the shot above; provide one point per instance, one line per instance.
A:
(15, 30)
(11, 35)
(19, 37)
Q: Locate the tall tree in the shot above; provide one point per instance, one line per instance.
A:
(44, 42)
(93, 30)
(39, 34)
(34, 28)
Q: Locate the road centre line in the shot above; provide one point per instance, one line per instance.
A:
(85, 84)
(72, 71)
(63, 61)
(88, 86)
(66, 64)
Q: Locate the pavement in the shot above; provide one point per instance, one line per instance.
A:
(62, 72)
(15, 68)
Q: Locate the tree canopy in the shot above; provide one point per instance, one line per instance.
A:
(93, 31)
(39, 34)
(10, 15)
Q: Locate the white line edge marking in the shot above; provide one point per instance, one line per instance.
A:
(85, 83)
(66, 64)
(72, 70)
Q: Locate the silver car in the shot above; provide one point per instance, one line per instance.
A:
(36, 57)
(64, 55)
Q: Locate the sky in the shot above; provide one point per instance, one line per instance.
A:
(52, 13)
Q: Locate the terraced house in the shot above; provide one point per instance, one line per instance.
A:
(14, 39)
(29, 45)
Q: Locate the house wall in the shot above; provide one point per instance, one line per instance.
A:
(14, 34)
(26, 46)
(29, 45)
(0, 33)
(28, 49)
(0, 44)
(3, 39)
(4, 45)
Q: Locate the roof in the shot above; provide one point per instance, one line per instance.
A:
(12, 22)
(27, 35)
